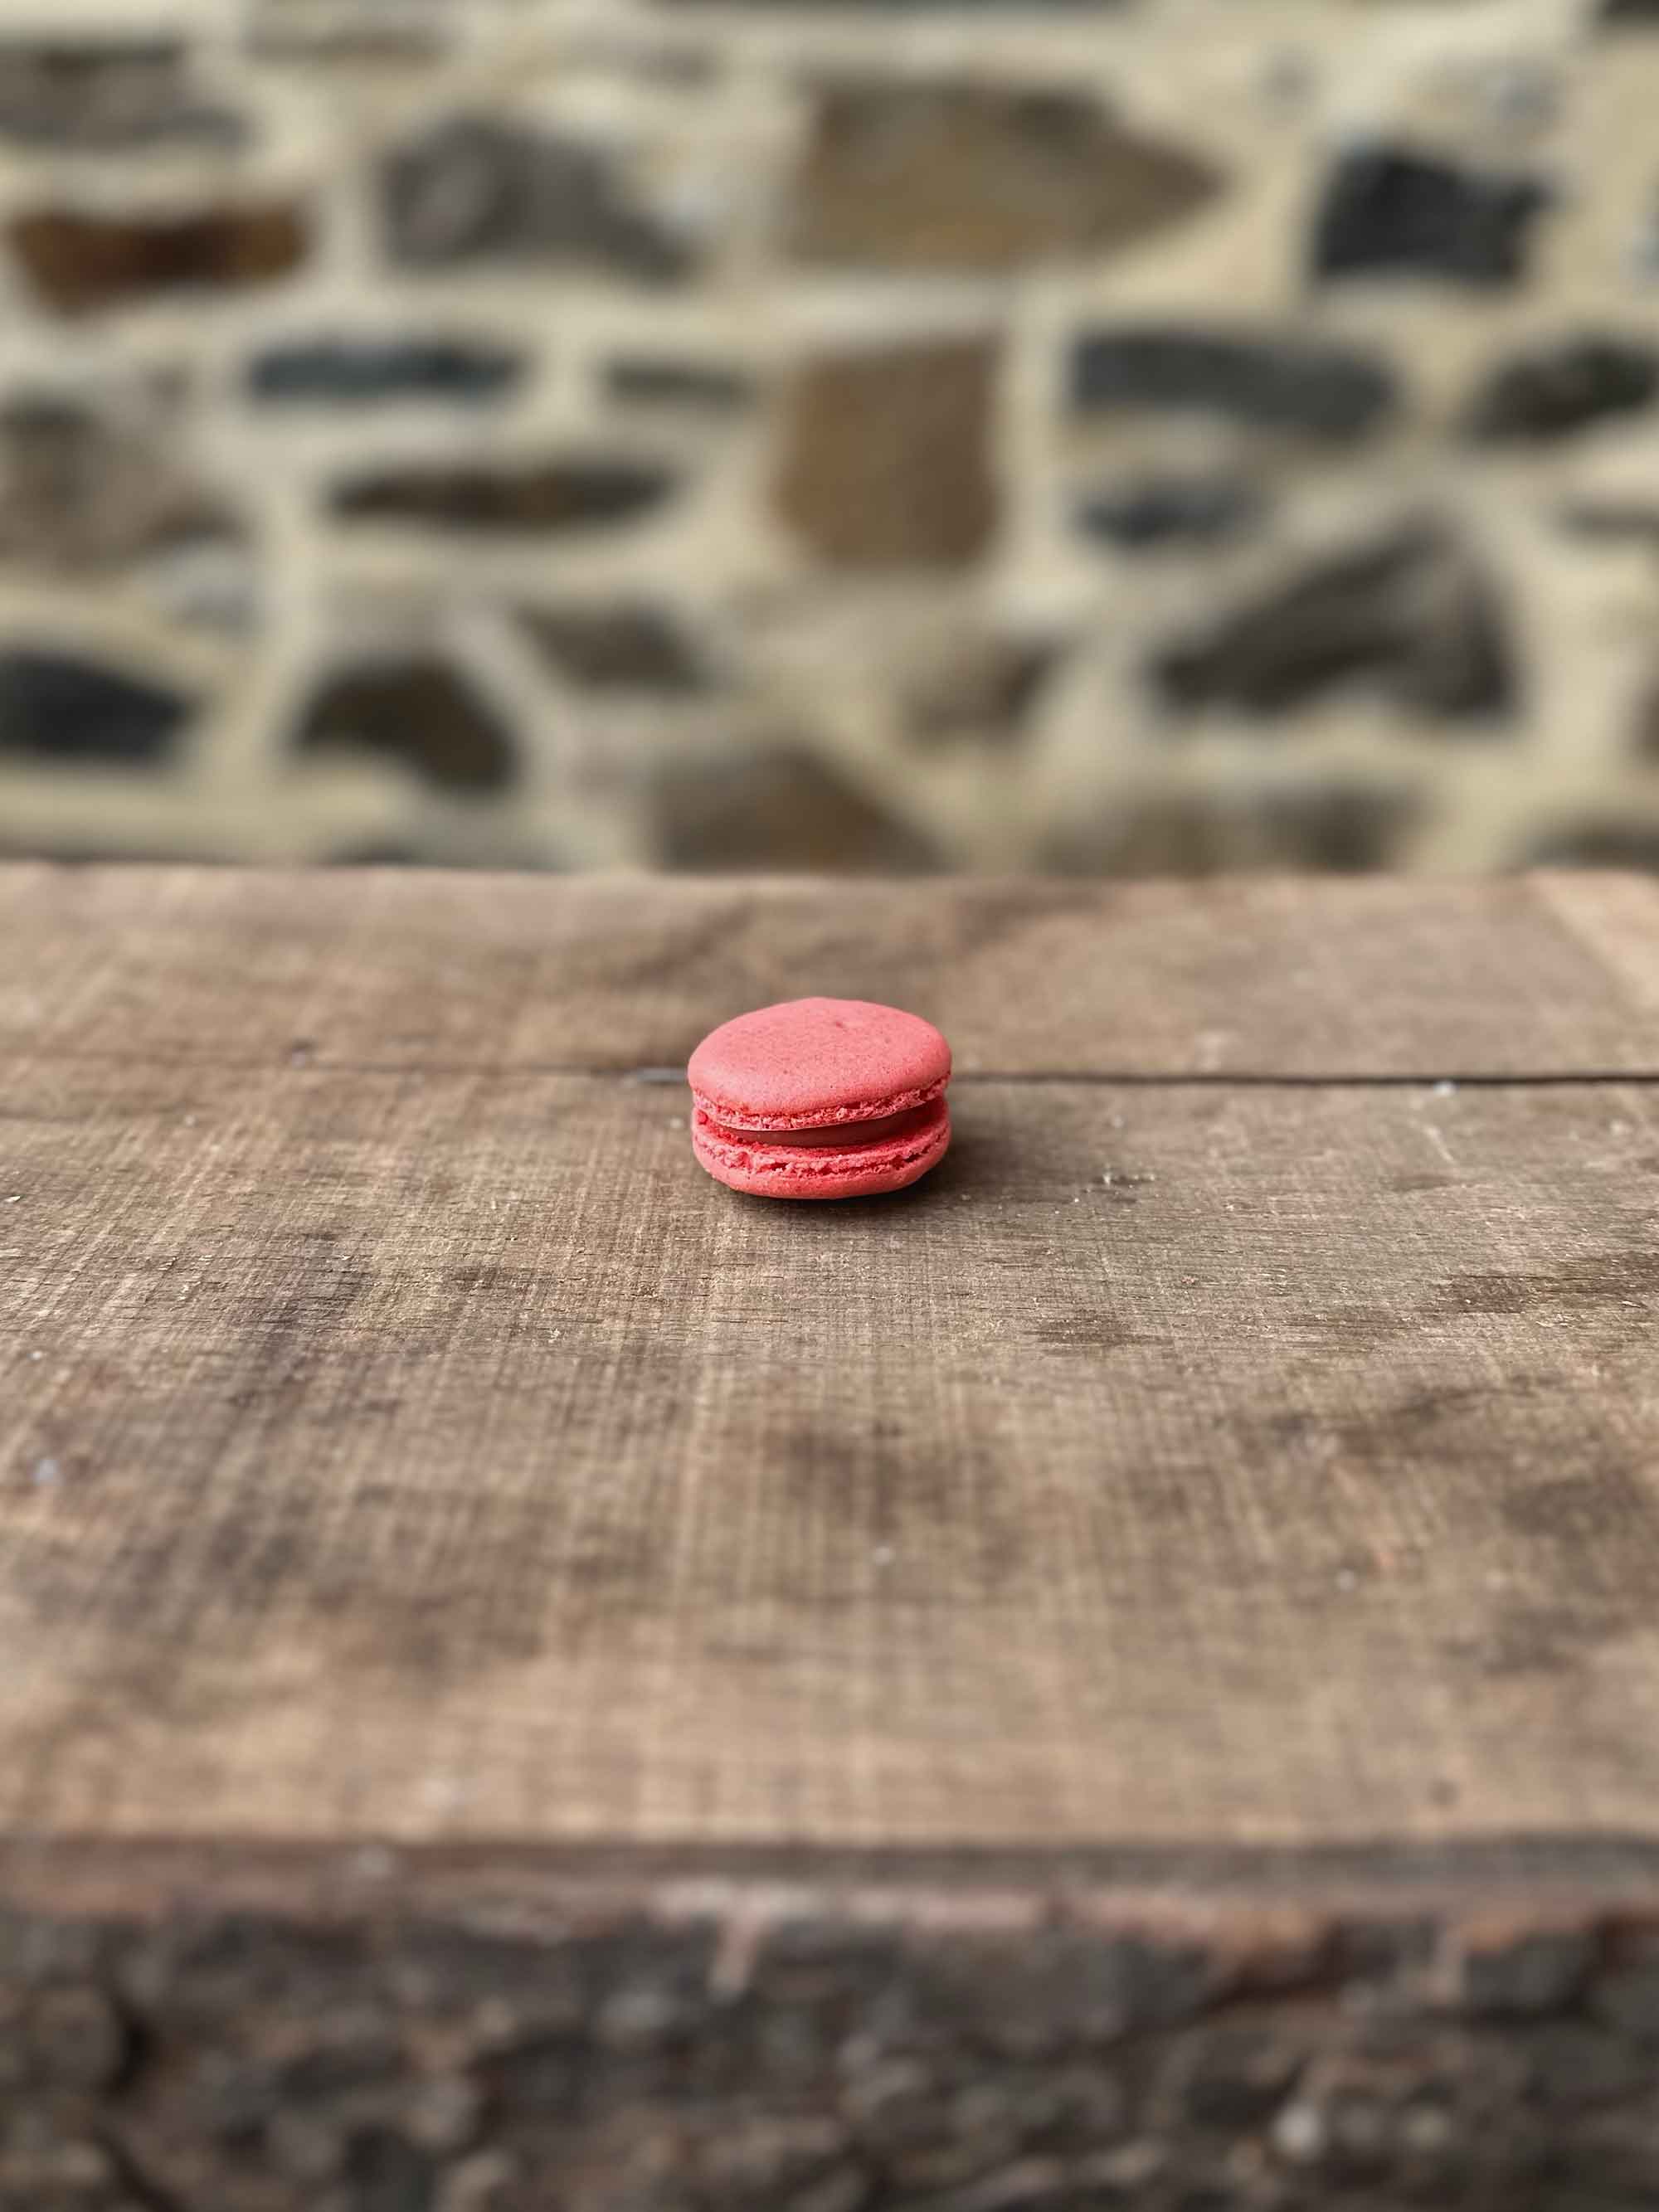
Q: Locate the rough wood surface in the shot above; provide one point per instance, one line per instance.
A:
(435, 1455)
(1544, 974)
(529, 1681)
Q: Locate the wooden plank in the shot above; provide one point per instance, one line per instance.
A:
(366, 2035)
(1366, 978)
(431, 1457)
(1121, 1677)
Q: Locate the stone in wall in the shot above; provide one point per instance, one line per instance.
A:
(106, 96)
(209, 576)
(417, 712)
(1595, 845)
(977, 8)
(58, 706)
(1552, 391)
(1340, 827)
(1635, 520)
(1409, 615)
(638, 380)
(968, 176)
(1260, 380)
(775, 807)
(1390, 210)
(977, 685)
(1141, 513)
(368, 372)
(885, 457)
(78, 262)
(80, 495)
(626, 647)
(482, 189)
(349, 31)
(536, 496)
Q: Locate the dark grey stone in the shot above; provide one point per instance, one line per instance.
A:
(669, 383)
(559, 494)
(1409, 615)
(1551, 393)
(1265, 382)
(106, 96)
(1145, 513)
(346, 372)
(62, 709)
(1389, 210)
(476, 189)
(624, 647)
(417, 712)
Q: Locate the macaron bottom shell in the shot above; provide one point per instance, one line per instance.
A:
(747, 1160)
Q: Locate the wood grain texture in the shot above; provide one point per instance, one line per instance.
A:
(1123, 1676)
(431, 1456)
(1366, 978)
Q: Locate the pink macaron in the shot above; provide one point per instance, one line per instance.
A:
(821, 1098)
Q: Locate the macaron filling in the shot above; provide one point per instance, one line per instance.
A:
(840, 1160)
(845, 1136)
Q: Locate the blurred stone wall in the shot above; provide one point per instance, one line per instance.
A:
(893, 433)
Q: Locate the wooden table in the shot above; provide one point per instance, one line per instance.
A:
(1127, 1675)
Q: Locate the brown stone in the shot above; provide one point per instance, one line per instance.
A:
(777, 808)
(418, 712)
(958, 176)
(886, 455)
(557, 494)
(79, 263)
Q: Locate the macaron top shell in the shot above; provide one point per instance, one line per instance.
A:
(811, 1063)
